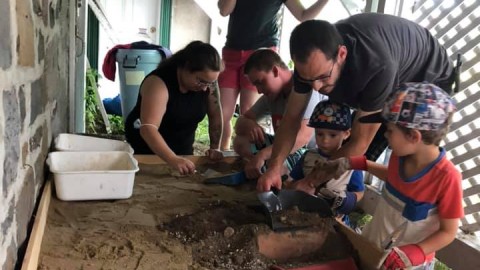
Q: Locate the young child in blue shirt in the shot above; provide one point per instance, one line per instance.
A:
(332, 123)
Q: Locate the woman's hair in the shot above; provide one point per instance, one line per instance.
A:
(430, 137)
(196, 56)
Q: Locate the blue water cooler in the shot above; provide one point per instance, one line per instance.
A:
(133, 66)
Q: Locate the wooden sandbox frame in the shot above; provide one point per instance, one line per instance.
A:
(368, 254)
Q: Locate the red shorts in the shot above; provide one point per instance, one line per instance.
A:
(232, 76)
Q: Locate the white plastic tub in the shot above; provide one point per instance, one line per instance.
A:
(73, 142)
(92, 175)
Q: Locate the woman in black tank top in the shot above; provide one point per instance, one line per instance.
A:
(171, 102)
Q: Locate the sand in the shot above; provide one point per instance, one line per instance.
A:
(168, 223)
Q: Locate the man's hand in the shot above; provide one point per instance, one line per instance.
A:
(404, 257)
(214, 154)
(253, 167)
(272, 178)
(326, 170)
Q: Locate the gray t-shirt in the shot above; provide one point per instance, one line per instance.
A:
(276, 109)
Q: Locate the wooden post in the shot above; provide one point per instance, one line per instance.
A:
(30, 261)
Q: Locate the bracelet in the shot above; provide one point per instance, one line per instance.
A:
(142, 125)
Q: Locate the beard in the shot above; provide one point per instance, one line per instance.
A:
(327, 89)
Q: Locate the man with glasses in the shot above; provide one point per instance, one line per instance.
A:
(358, 62)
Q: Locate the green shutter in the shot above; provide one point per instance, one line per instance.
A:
(92, 39)
(165, 23)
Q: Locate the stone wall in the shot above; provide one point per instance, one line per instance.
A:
(34, 47)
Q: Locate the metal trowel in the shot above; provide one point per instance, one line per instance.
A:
(305, 202)
(232, 179)
(270, 200)
(277, 200)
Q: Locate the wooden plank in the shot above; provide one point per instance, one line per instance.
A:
(471, 228)
(472, 208)
(462, 253)
(30, 261)
(370, 255)
(197, 160)
(473, 190)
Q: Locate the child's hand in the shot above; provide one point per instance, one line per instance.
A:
(257, 135)
(326, 170)
(404, 257)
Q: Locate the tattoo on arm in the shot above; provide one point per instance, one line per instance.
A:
(215, 128)
(215, 136)
(216, 94)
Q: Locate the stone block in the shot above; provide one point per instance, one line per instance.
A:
(25, 152)
(40, 168)
(22, 103)
(5, 41)
(25, 39)
(7, 222)
(51, 11)
(37, 9)
(11, 138)
(38, 99)
(45, 12)
(25, 205)
(11, 257)
(40, 47)
(36, 140)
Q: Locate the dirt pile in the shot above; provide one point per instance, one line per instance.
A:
(222, 235)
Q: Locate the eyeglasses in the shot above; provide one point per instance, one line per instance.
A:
(203, 83)
(322, 78)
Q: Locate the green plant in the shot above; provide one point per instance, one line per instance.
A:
(290, 64)
(94, 123)
(116, 124)
(441, 266)
(91, 111)
(201, 134)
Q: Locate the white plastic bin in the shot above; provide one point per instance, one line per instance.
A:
(92, 175)
(73, 142)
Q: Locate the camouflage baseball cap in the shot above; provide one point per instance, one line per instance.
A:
(330, 115)
(422, 106)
